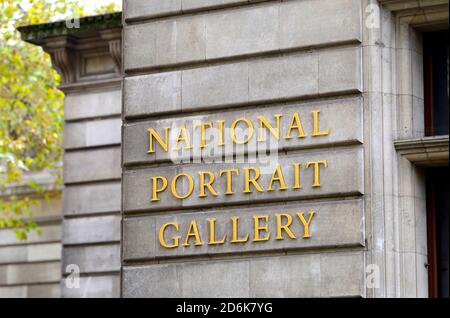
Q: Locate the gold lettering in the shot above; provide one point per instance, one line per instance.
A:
(264, 122)
(174, 186)
(279, 178)
(235, 225)
(175, 239)
(316, 131)
(193, 232)
(305, 223)
(229, 173)
(285, 227)
(258, 228)
(253, 180)
(182, 136)
(155, 189)
(249, 129)
(212, 234)
(316, 164)
(162, 143)
(208, 185)
(203, 127)
(297, 184)
(221, 133)
(295, 124)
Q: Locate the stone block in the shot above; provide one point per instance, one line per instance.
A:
(92, 165)
(89, 105)
(97, 198)
(50, 233)
(284, 77)
(150, 8)
(334, 224)
(92, 133)
(246, 30)
(343, 176)
(44, 291)
(241, 32)
(94, 287)
(93, 259)
(301, 26)
(340, 71)
(91, 230)
(310, 74)
(13, 291)
(307, 275)
(215, 86)
(30, 273)
(152, 94)
(342, 116)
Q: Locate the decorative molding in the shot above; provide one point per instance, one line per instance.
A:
(428, 151)
(403, 5)
(115, 49)
(63, 62)
(69, 47)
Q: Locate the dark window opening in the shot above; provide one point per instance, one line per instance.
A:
(436, 73)
(438, 231)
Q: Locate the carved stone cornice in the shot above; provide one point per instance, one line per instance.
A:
(427, 151)
(90, 53)
(60, 50)
(114, 38)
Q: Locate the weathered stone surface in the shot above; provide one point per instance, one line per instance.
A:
(334, 224)
(97, 198)
(155, 93)
(44, 291)
(150, 8)
(340, 71)
(92, 165)
(269, 79)
(30, 273)
(92, 105)
(308, 275)
(215, 85)
(13, 291)
(338, 21)
(141, 9)
(344, 176)
(93, 259)
(242, 31)
(92, 133)
(343, 117)
(91, 230)
(204, 4)
(50, 233)
(44, 252)
(94, 287)
(284, 77)
(47, 209)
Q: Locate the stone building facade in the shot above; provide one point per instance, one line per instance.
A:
(168, 105)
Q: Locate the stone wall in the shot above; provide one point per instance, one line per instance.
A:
(32, 268)
(190, 61)
(91, 227)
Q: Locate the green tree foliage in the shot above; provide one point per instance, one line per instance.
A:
(31, 107)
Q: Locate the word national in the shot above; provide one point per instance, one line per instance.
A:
(239, 131)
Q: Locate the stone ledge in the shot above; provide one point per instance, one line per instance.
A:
(37, 33)
(427, 151)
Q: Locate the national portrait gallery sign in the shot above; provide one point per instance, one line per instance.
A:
(208, 165)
